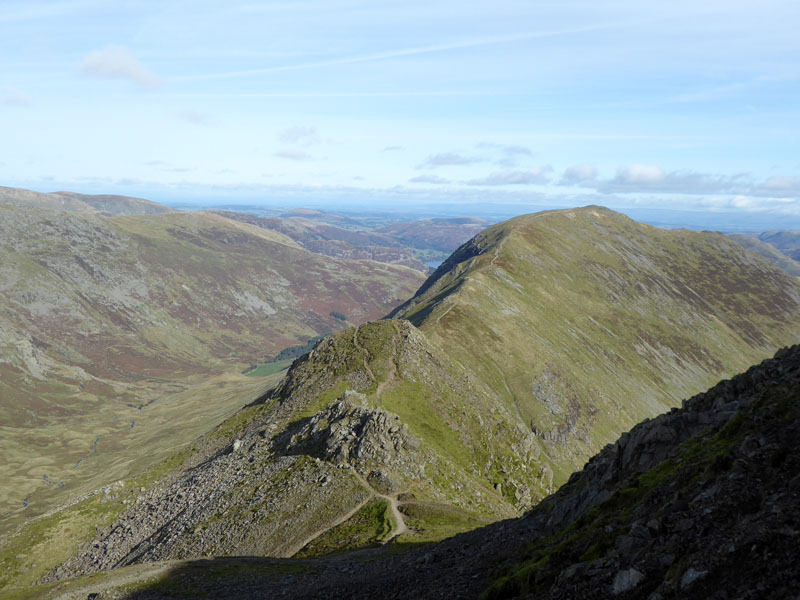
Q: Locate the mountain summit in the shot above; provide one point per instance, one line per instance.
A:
(585, 322)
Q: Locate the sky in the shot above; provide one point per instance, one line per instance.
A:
(669, 105)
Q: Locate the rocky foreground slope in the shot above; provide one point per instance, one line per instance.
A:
(702, 502)
(372, 414)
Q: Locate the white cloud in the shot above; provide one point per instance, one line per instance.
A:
(535, 176)
(510, 150)
(728, 191)
(293, 155)
(781, 184)
(195, 117)
(12, 97)
(447, 159)
(429, 179)
(118, 62)
(578, 174)
(405, 52)
(300, 136)
(506, 162)
(743, 202)
(640, 174)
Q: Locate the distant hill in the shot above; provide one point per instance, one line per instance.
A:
(786, 241)
(444, 235)
(410, 243)
(102, 319)
(106, 205)
(770, 252)
(331, 240)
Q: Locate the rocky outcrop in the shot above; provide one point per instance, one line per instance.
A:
(350, 432)
(243, 499)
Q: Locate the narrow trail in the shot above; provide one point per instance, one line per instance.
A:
(497, 251)
(299, 546)
(449, 308)
(400, 526)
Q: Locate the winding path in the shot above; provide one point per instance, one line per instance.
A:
(399, 526)
(299, 546)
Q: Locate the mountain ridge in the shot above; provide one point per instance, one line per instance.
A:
(102, 204)
(597, 311)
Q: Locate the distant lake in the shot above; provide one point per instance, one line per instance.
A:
(433, 264)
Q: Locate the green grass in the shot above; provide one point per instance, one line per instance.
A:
(44, 543)
(433, 522)
(369, 526)
(269, 368)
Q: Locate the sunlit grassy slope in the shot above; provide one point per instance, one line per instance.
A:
(586, 322)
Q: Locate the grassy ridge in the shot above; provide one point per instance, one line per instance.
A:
(586, 322)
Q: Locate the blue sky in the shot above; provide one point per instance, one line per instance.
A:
(677, 105)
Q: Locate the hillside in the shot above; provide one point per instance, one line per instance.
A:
(443, 234)
(406, 242)
(585, 322)
(769, 252)
(104, 318)
(107, 205)
(697, 503)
